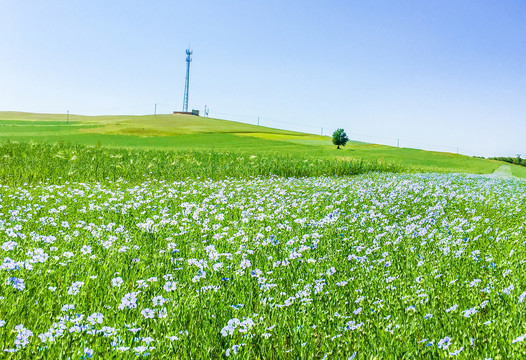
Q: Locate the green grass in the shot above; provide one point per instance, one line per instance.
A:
(22, 163)
(315, 264)
(383, 266)
(190, 133)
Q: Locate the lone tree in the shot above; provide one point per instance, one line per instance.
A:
(339, 137)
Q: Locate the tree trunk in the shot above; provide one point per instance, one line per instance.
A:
(338, 147)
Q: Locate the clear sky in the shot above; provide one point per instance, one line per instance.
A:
(437, 74)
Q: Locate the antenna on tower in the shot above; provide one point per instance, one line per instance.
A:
(187, 81)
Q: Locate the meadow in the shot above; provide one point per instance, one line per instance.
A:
(22, 163)
(184, 133)
(184, 246)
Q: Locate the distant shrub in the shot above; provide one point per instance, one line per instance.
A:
(511, 160)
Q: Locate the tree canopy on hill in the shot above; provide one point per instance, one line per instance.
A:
(339, 138)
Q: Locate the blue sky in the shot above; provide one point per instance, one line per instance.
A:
(435, 74)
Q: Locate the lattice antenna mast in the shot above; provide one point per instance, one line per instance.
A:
(187, 81)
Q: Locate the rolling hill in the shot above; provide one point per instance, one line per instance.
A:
(186, 132)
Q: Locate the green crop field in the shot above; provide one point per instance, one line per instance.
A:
(190, 133)
(175, 237)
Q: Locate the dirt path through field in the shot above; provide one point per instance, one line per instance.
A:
(504, 171)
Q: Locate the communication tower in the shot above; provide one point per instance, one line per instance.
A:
(187, 81)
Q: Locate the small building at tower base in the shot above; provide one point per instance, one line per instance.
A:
(193, 112)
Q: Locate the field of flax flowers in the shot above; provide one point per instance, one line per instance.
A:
(377, 266)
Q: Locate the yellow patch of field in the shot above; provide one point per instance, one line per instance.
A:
(277, 136)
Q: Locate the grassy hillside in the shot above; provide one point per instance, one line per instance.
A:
(191, 133)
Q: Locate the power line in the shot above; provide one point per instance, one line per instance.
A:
(236, 115)
(290, 123)
(396, 141)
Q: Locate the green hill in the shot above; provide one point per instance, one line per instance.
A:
(186, 132)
